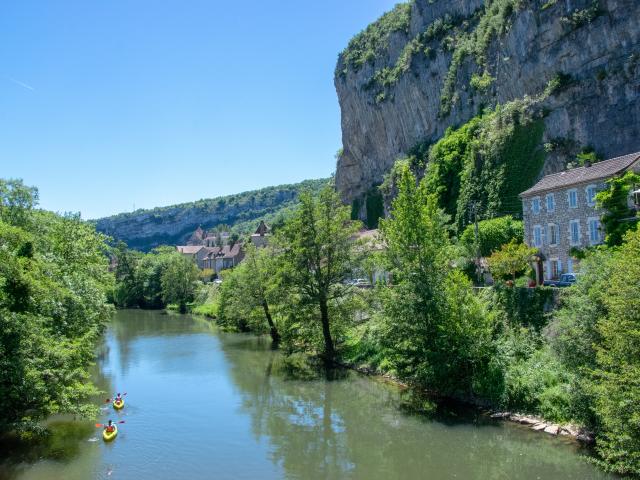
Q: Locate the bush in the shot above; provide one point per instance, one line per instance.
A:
(492, 234)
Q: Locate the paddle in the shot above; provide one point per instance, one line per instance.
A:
(110, 400)
(98, 425)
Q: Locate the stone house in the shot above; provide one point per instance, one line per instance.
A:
(560, 213)
(260, 238)
(223, 258)
(197, 252)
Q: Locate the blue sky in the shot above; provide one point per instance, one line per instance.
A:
(107, 104)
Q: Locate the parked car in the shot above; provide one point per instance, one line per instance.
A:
(566, 280)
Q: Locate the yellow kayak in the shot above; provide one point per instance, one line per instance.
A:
(118, 405)
(108, 436)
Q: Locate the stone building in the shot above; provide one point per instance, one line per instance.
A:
(560, 213)
(260, 238)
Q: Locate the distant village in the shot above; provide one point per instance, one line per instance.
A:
(221, 250)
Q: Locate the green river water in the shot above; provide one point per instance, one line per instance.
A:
(208, 405)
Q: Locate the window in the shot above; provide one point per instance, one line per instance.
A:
(572, 197)
(591, 195)
(570, 265)
(551, 202)
(553, 234)
(535, 205)
(537, 236)
(594, 231)
(574, 230)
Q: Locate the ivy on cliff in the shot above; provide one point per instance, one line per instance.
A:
(486, 162)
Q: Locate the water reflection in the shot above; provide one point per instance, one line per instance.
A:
(354, 428)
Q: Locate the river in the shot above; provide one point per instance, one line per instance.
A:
(202, 404)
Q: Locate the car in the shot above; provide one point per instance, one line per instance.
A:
(566, 280)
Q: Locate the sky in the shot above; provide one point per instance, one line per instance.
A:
(110, 105)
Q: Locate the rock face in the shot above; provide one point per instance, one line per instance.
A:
(173, 225)
(593, 47)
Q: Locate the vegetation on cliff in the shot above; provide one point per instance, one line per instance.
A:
(53, 307)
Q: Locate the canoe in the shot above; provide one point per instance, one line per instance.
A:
(118, 405)
(108, 436)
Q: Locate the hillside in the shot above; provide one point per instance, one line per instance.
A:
(566, 74)
(146, 229)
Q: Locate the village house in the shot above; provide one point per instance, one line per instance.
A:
(223, 258)
(260, 238)
(197, 252)
(560, 213)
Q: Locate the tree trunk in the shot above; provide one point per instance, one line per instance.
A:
(275, 336)
(329, 351)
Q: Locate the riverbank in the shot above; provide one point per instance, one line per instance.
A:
(535, 423)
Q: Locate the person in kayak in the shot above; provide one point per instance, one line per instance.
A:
(109, 427)
(118, 398)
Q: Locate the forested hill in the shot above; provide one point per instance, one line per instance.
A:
(172, 225)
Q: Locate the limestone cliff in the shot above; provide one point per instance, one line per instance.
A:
(432, 64)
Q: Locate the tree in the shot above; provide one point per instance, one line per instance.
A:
(615, 380)
(318, 255)
(511, 259)
(250, 290)
(437, 333)
(619, 218)
(53, 282)
(179, 281)
(492, 234)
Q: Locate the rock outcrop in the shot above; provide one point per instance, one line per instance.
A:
(438, 63)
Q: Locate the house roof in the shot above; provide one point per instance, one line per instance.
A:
(230, 252)
(189, 249)
(596, 171)
(224, 252)
(262, 229)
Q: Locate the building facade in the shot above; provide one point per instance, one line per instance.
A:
(560, 213)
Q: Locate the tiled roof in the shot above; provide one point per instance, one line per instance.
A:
(597, 171)
(230, 252)
(189, 249)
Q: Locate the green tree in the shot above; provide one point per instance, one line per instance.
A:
(53, 282)
(437, 332)
(250, 291)
(318, 255)
(492, 234)
(511, 259)
(616, 378)
(619, 218)
(179, 281)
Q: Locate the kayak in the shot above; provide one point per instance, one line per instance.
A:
(118, 405)
(108, 436)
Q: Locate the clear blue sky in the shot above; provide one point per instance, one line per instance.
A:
(107, 104)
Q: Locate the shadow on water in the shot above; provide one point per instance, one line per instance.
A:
(62, 443)
(355, 427)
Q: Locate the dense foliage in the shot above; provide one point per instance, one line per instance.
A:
(486, 163)
(155, 279)
(510, 260)
(250, 295)
(492, 234)
(437, 333)
(53, 282)
(597, 338)
(618, 218)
